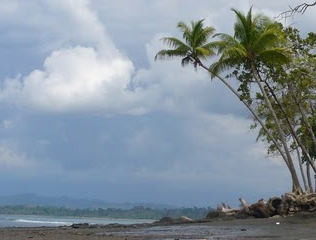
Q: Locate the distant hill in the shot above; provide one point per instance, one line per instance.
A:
(72, 203)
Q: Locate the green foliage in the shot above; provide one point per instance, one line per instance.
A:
(276, 77)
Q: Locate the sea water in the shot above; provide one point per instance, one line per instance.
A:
(52, 221)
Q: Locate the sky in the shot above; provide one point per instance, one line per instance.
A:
(86, 112)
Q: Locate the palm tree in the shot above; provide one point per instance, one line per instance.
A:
(195, 48)
(256, 42)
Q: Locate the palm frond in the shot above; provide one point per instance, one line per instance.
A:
(183, 27)
(267, 39)
(212, 46)
(180, 49)
(186, 31)
(232, 49)
(202, 52)
(226, 41)
(173, 42)
(207, 50)
(223, 64)
(208, 32)
(203, 36)
(198, 33)
(261, 21)
(169, 54)
(242, 26)
(279, 55)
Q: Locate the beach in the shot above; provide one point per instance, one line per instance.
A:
(297, 227)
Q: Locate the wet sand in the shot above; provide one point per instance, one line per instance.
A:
(298, 228)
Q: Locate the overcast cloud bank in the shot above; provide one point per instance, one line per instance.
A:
(86, 111)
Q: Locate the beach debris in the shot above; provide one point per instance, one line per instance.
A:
(287, 204)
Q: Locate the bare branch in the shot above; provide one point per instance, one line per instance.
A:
(298, 9)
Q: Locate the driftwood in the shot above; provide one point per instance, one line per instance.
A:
(227, 210)
(300, 202)
(289, 203)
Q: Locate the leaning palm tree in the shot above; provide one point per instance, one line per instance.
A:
(257, 42)
(195, 48)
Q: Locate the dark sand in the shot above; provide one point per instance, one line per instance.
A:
(290, 228)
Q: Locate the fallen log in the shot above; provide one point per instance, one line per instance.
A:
(245, 205)
(260, 209)
(228, 210)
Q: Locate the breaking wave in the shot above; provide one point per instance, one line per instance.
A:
(57, 223)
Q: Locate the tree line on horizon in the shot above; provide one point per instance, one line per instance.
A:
(134, 213)
(274, 68)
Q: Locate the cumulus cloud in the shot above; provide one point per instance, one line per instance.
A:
(93, 75)
(77, 78)
(71, 79)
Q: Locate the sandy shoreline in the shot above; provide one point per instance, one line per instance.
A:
(249, 229)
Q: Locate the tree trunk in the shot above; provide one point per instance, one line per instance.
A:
(291, 166)
(302, 170)
(290, 125)
(306, 122)
(309, 179)
(308, 126)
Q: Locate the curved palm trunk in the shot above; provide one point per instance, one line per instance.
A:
(291, 167)
(253, 112)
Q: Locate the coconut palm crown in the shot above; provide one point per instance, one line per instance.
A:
(256, 39)
(195, 46)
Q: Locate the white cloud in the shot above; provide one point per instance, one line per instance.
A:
(96, 77)
(77, 78)
(71, 80)
(80, 79)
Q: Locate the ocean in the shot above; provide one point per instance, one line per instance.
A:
(52, 221)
